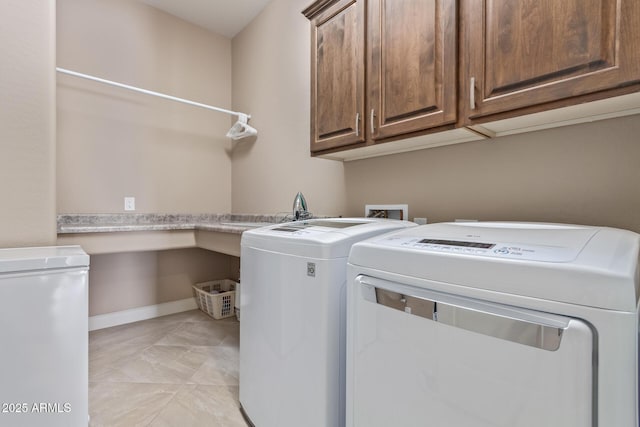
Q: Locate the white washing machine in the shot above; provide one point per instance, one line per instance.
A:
(293, 319)
(494, 324)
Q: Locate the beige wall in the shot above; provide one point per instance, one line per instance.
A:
(175, 159)
(585, 174)
(129, 280)
(27, 123)
(271, 82)
(114, 143)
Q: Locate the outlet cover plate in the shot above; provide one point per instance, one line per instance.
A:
(129, 203)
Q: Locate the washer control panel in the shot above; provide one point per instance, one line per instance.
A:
(478, 248)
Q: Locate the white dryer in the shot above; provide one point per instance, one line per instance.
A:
(494, 325)
(292, 331)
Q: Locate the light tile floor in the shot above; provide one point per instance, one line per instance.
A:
(177, 370)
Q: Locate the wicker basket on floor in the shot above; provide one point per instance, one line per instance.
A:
(216, 297)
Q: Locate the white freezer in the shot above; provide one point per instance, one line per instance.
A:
(44, 337)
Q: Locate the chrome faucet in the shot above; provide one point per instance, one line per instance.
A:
(300, 211)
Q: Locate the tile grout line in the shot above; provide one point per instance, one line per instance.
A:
(157, 414)
(227, 330)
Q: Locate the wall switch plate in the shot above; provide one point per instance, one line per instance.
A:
(420, 221)
(129, 203)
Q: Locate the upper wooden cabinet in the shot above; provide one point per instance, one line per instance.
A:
(402, 82)
(411, 66)
(383, 70)
(523, 53)
(337, 74)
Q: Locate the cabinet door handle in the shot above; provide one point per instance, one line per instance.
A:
(472, 93)
(357, 124)
(373, 124)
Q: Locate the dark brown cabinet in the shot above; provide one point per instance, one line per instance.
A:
(380, 69)
(411, 66)
(518, 54)
(384, 70)
(337, 74)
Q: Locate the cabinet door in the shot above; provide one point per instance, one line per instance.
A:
(412, 65)
(523, 53)
(337, 76)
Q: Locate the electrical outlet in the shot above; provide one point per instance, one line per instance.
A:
(420, 221)
(129, 203)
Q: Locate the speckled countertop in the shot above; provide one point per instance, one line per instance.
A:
(109, 223)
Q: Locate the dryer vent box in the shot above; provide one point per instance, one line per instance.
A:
(387, 211)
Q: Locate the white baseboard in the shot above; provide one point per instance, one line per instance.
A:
(140, 313)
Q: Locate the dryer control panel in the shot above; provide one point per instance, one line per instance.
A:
(484, 248)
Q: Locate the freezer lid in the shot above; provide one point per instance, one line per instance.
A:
(15, 260)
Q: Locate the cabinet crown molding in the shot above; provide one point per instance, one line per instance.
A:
(316, 7)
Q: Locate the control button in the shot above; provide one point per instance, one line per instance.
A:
(502, 251)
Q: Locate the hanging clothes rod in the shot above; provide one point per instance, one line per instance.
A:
(150, 92)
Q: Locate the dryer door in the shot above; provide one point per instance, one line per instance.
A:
(416, 357)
